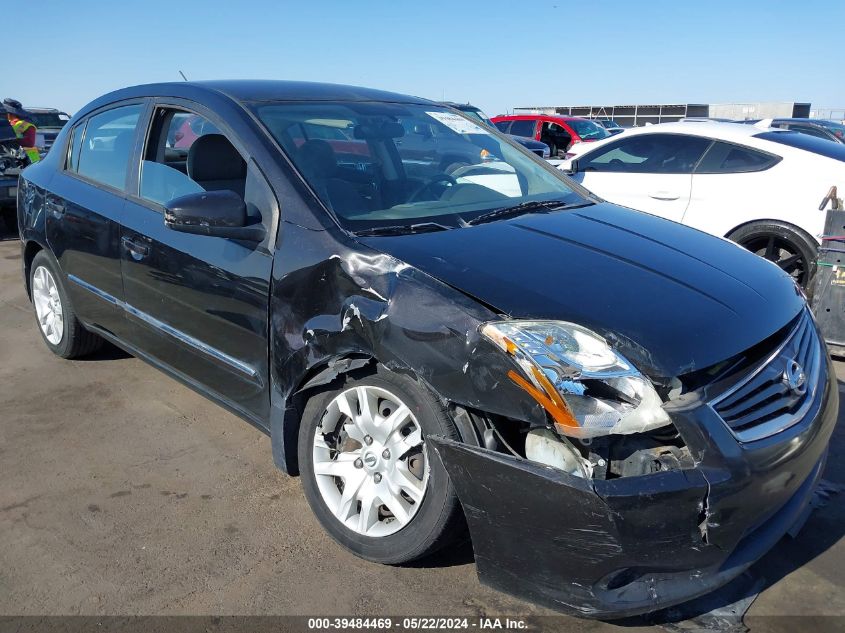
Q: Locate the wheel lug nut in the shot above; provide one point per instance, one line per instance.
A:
(368, 440)
(377, 477)
(358, 463)
(386, 454)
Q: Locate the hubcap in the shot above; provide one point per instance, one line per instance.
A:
(782, 252)
(48, 305)
(370, 461)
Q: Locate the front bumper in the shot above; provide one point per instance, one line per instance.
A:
(627, 546)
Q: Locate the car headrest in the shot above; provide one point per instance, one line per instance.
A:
(122, 143)
(213, 157)
(317, 159)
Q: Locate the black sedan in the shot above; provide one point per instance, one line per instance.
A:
(625, 412)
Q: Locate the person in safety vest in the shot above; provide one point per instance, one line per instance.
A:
(24, 129)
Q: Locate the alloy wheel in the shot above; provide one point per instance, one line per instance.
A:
(782, 252)
(370, 461)
(48, 305)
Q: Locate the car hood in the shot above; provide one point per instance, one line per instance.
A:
(670, 298)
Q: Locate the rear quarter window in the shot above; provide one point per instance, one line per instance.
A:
(107, 145)
(728, 158)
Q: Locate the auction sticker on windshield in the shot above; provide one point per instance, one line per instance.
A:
(457, 123)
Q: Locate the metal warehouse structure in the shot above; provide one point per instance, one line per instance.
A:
(636, 115)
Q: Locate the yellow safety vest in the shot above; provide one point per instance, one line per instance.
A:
(20, 127)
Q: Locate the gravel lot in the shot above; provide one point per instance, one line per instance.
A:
(124, 492)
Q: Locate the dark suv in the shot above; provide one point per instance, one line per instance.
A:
(625, 412)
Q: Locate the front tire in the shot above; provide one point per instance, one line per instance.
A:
(57, 321)
(793, 250)
(367, 473)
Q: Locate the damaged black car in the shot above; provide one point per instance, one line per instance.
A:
(624, 412)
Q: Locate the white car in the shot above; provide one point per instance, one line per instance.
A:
(758, 186)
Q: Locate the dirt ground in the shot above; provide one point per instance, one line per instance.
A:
(124, 492)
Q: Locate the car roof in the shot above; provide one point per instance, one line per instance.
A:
(712, 129)
(799, 120)
(554, 117)
(245, 90)
(459, 106)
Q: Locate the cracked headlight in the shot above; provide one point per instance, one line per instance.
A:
(587, 387)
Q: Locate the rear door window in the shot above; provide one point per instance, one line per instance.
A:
(809, 129)
(107, 145)
(727, 158)
(648, 154)
(523, 128)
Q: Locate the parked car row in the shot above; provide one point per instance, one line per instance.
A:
(439, 330)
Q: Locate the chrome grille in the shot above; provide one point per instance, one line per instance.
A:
(780, 391)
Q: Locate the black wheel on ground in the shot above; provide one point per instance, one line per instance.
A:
(60, 328)
(370, 478)
(786, 245)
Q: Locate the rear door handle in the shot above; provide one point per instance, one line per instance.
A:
(664, 195)
(55, 205)
(138, 251)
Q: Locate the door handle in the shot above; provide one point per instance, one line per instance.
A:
(55, 206)
(664, 195)
(138, 251)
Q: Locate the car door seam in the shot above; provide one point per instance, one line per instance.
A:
(189, 340)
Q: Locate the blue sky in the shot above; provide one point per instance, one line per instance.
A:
(497, 55)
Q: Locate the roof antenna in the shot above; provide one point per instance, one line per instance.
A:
(183, 75)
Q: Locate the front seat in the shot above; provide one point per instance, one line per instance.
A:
(319, 163)
(215, 165)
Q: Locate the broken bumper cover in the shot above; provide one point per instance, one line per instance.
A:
(627, 546)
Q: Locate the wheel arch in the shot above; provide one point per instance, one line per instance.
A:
(30, 250)
(286, 412)
(790, 225)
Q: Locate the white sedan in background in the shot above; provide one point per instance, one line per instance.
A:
(758, 186)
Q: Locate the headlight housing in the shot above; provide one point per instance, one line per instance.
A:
(587, 387)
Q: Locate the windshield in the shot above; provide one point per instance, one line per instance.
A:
(477, 114)
(48, 119)
(588, 130)
(806, 142)
(837, 128)
(388, 164)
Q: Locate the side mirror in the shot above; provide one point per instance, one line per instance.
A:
(572, 168)
(213, 213)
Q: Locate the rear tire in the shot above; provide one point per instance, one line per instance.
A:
(382, 535)
(57, 322)
(792, 249)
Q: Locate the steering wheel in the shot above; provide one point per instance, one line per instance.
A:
(427, 185)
